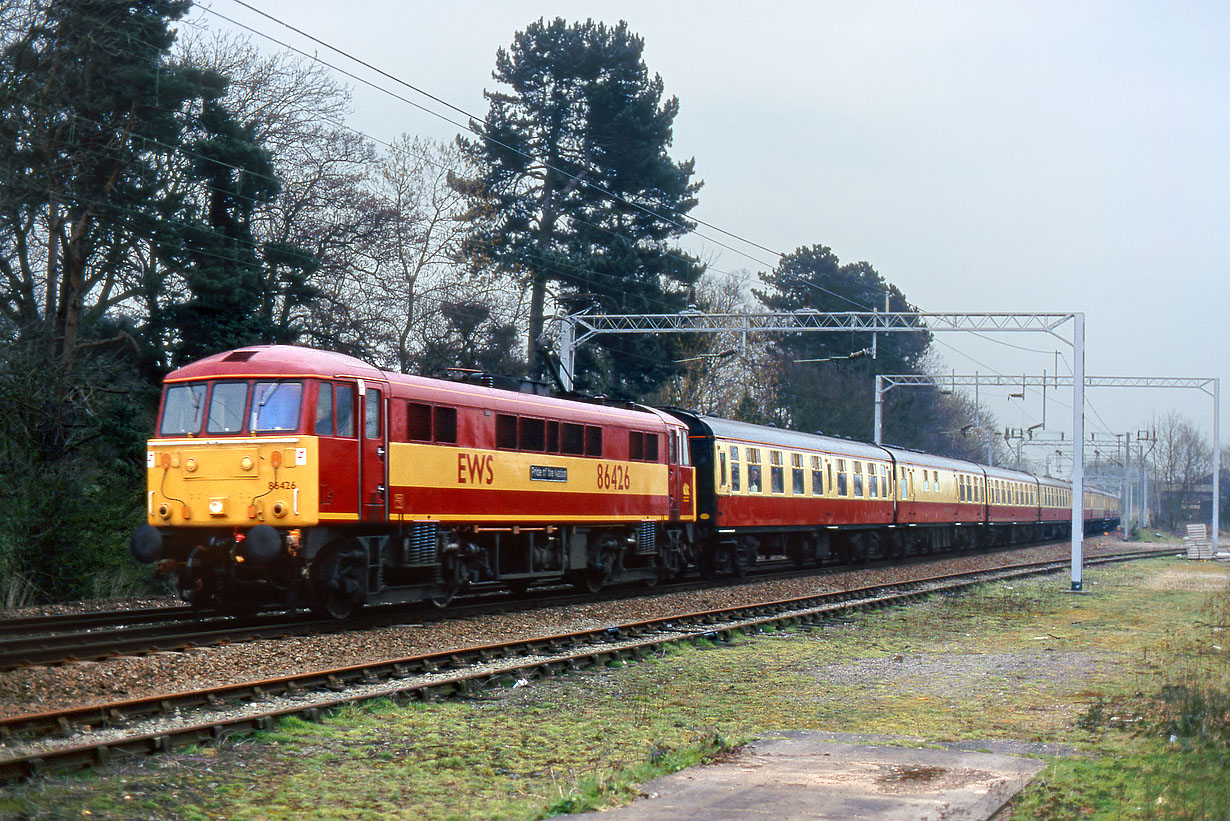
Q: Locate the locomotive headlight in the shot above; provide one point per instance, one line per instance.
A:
(217, 507)
(246, 463)
(190, 464)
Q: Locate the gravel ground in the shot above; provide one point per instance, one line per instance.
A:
(39, 689)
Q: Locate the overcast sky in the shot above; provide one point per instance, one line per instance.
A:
(983, 156)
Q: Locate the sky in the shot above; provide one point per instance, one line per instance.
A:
(1010, 156)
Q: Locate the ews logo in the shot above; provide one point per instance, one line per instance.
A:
(475, 469)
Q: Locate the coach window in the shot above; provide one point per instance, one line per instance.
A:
(796, 471)
(817, 477)
(593, 440)
(857, 471)
(960, 488)
(505, 431)
(722, 463)
(842, 487)
(734, 468)
(226, 404)
(777, 478)
(873, 487)
(753, 470)
(886, 480)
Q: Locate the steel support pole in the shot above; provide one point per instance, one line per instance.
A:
(1216, 460)
(1078, 450)
(879, 427)
(1142, 521)
(568, 352)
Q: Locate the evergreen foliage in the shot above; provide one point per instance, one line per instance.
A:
(125, 245)
(581, 192)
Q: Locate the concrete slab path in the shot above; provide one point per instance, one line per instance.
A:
(802, 775)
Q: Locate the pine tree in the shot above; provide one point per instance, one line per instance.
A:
(577, 187)
(835, 395)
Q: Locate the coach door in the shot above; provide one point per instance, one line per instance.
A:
(373, 452)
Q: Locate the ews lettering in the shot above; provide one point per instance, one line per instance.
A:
(475, 469)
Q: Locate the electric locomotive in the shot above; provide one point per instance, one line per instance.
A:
(293, 476)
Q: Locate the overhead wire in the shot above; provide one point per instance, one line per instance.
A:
(467, 127)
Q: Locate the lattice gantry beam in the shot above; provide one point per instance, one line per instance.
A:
(589, 325)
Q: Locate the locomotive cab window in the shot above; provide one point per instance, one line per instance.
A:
(183, 409)
(275, 407)
(226, 406)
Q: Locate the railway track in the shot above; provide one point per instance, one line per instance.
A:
(51, 640)
(34, 744)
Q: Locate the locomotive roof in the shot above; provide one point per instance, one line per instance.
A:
(277, 360)
(289, 361)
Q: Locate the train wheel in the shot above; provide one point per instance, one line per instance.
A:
(592, 580)
(742, 557)
(800, 551)
(341, 584)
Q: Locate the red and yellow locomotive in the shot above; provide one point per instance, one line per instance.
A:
(289, 475)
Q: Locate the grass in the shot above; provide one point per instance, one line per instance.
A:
(1024, 660)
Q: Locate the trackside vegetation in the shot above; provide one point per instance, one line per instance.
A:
(1126, 684)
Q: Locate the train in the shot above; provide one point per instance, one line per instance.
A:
(302, 478)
